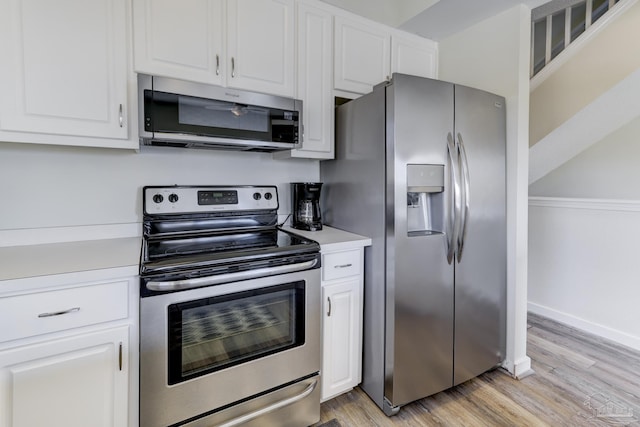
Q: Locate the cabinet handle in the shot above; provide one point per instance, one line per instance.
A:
(120, 357)
(217, 65)
(342, 265)
(233, 67)
(251, 416)
(329, 311)
(59, 313)
(120, 117)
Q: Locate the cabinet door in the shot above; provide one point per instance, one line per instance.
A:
(342, 337)
(414, 55)
(260, 47)
(180, 39)
(315, 65)
(73, 382)
(362, 52)
(63, 68)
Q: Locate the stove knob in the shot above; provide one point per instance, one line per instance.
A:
(257, 196)
(158, 198)
(268, 196)
(173, 197)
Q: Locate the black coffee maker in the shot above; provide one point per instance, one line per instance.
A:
(305, 197)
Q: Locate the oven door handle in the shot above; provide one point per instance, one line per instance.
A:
(177, 285)
(281, 404)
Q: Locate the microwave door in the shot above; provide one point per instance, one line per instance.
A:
(184, 120)
(223, 118)
(171, 113)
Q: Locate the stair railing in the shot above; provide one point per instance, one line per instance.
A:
(557, 24)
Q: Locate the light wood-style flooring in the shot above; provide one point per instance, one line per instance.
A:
(579, 380)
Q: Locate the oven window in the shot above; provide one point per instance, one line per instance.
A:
(214, 333)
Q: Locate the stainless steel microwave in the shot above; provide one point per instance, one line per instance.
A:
(178, 113)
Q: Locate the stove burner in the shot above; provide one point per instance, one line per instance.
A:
(185, 240)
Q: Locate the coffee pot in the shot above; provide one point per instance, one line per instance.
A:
(306, 205)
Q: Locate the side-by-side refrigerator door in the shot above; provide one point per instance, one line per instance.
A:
(480, 265)
(419, 327)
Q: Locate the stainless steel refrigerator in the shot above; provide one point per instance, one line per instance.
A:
(420, 168)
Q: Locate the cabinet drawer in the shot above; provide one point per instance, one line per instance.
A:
(53, 311)
(340, 264)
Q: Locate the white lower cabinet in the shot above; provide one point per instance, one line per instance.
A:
(77, 381)
(342, 282)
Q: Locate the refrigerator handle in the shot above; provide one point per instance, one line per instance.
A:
(464, 175)
(455, 204)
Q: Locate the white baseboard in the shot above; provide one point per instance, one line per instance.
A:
(522, 368)
(611, 205)
(518, 369)
(586, 326)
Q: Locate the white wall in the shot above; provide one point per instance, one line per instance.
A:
(584, 227)
(604, 59)
(494, 55)
(392, 13)
(583, 265)
(56, 186)
(607, 170)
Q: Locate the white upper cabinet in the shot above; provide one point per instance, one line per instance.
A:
(414, 55)
(180, 39)
(260, 45)
(315, 69)
(367, 53)
(64, 71)
(247, 44)
(361, 54)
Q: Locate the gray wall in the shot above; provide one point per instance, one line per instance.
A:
(56, 186)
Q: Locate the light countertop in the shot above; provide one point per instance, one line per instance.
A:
(332, 239)
(18, 262)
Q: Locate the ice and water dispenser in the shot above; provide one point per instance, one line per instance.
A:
(425, 193)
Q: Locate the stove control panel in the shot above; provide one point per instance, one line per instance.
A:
(187, 199)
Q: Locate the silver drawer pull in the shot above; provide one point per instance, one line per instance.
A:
(177, 285)
(59, 313)
(281, 404)
(343, 265)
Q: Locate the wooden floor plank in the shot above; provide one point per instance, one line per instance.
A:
(558, 351)
(579, 380)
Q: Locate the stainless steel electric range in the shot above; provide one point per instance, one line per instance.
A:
(229, 311)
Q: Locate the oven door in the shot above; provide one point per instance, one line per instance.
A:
(204, 350)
